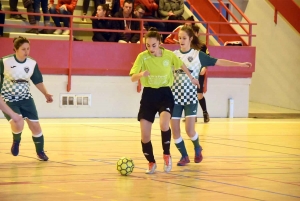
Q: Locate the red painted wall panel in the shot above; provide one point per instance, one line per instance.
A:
(89, 58)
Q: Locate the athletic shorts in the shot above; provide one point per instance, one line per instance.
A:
(26, 108)
(189, 111)
(155, 100)
(201, 82)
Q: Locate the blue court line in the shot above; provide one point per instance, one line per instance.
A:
(213, 181)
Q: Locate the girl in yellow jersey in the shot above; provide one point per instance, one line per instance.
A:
(154, 67)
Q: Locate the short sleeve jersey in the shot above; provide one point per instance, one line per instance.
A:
(185, 93)
(12, 71)
(160, 68)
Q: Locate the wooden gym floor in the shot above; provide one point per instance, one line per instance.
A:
(244, 159)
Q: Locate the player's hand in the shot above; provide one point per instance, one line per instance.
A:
(16, 117)
(64, 7)
(49, 98)
(195, 82)
(246, 64)
(145, 73)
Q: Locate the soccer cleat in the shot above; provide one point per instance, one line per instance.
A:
(151, 169)
(42, 156)
(183, 161)
(15, 148)
(198, 155)
(167, 163)
(206, 117)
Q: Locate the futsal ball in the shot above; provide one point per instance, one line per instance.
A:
(125, 166)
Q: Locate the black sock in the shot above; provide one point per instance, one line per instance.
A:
(166, 141)
(39, 143)
(148, 151)
(17, 137)
(202, 103)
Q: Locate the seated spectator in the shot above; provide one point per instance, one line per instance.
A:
(171, 10)
(37, 4)
(65, 7)
(85, 7)
(114, 6)
(31, 18)
(122, 3)
(99, 23)
(2, 19)
(173, 38)
(127, 24)
(150, 10)
(139, 12)
(13, 4)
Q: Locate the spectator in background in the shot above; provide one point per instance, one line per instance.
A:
(28, 4)
(2, 19)
(99, 23)
(150, 13)
(127, 24)
(85, 7)
(171, 10)
(65, 7)
(122, 3)
(113, 5)
(13, 7)
(44, 4)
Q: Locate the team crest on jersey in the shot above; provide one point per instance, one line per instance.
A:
(166, 63)
(190, 59)
(26, 69)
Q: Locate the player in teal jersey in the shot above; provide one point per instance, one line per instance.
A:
(185, 94)
(16, 71)
(154, 67)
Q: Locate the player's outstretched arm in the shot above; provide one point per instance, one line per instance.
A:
(224, 62)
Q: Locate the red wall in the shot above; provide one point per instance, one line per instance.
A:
(90, 58)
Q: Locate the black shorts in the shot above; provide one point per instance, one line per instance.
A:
(155, 100)
(201, 82)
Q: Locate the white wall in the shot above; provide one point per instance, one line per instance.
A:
(276, 80)
(117, 97)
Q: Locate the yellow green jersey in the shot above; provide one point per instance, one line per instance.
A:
(160, 68)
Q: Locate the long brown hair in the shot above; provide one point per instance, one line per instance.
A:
(195, 43)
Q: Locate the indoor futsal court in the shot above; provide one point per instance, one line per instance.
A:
(244, 159)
